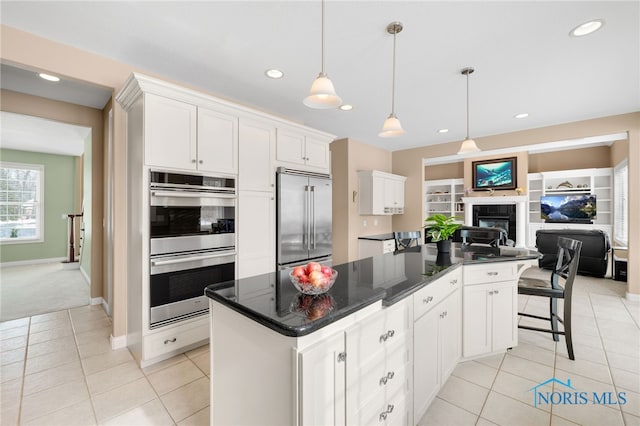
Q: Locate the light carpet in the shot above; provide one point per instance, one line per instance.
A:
(37, 289)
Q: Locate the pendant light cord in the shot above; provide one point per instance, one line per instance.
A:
(393, 79)
(322, 41)
(468, 105)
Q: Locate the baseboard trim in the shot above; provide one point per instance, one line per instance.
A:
(118, 342)
(633, 297)
(96, 301)
(85, 276)
(33, 261)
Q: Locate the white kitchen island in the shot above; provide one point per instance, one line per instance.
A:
(362, 353)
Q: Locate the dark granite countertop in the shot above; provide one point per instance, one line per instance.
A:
(379, 237)
(360, 283)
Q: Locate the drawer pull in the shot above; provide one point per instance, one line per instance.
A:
(170, 341)
(454, 282)
(492, 273)
(443, 314)
(383, 415)
(385, 379)
(427, 300)
(388, 334)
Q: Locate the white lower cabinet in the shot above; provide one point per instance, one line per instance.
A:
(322, 382)
(490, 306)
(257, 235)
(174, 339)
(436, 338)
(379, 367)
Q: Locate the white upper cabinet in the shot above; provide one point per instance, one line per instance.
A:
(297, 148)
(380, 193)
(217, 142)
(179, 135)
(170, 133)
(257, 151)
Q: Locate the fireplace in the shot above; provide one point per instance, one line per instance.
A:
(503, 211)
(498, 216)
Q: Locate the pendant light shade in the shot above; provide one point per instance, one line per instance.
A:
(322, 94)
(392, 127)
(468, 145)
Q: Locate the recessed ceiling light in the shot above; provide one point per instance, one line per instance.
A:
(521, 115)
(49, 77)
(443, 130)
(274, 73)
(346, 107)
(587, 28)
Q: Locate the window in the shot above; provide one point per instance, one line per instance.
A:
(621, 213)
(21, 187)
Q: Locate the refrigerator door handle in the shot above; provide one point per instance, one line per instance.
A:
(313, 216)
(307, 218)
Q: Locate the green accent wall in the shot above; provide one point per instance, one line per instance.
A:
(59, 190)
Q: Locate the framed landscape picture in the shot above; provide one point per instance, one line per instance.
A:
(495, 174)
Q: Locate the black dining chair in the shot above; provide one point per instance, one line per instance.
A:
(565, 270)
(484, 235)
(407, 239)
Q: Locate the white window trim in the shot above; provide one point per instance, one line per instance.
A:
(40, 237)
(616, 240)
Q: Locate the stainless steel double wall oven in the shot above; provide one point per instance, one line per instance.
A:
(192, 230)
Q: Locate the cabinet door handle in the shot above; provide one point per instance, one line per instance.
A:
(383, 416)
(342, 357)
(390, 408)
(427, 300)
(496, 291)
(170, 341)
(383, 380)
(200, 161)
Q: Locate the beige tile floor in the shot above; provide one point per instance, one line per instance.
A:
(58, 369)
(496, 390)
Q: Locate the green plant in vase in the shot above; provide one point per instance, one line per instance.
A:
(440, 229)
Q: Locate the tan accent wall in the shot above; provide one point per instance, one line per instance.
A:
(619, 151)
(444, 171)
(83, 116)
(348, 156)
(410, 163)
(585, 158)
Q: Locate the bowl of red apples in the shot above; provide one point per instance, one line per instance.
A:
(313, 278)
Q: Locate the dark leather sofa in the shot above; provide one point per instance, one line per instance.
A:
(594, 255)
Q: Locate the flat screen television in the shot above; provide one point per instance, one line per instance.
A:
(568, 207)
(495, 174)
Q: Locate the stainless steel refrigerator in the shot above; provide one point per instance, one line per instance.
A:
(303, 217)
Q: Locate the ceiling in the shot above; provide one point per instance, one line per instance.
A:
(27, 133)
(524, 59)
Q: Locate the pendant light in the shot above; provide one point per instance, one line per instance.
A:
(468, 145)
(322, 94)
(392, 127)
